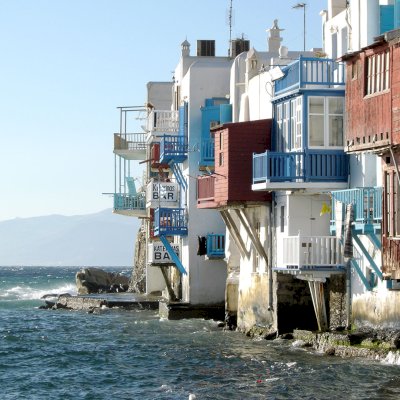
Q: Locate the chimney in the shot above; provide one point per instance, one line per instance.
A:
(206, 48)
(239, 46)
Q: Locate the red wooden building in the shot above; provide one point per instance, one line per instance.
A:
(230, 183)
(373, 125)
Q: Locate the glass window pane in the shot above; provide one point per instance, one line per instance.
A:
(336, 105)
(335, 130)
(316, 130)
(316, 105)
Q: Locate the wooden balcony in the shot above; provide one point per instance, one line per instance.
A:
(215, 246)
(207, 157)
(206, 191)
(367, 203)
(303, 254)
(160, 122)
(133, 205)
(311, 73)
(313, 169)
(170, 222)
(130, 146)
(173, 149)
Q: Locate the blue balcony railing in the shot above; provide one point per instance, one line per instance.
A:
(173, 148)
(170, 221)
(215, 245)
(308, 71)
(313, 166)
(367, 203)
(129, 202)
(207, 156)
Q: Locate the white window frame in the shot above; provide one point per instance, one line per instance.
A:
(326, 116)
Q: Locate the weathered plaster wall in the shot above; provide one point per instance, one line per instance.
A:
(380, 309)
(253, 304)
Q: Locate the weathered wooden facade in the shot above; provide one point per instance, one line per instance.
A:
(373, 125)
(230, 183)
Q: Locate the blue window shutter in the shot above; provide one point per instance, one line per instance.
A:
(387, 17)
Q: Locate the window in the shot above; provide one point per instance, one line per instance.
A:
(325, 121)
(392, 203)
(282, 219)
(316, 121)
(377, 73)
(288, 125)
(221, 159)
(256, 267)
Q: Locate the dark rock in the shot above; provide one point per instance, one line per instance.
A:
(286, 336)
(95, 280)
(330, 351)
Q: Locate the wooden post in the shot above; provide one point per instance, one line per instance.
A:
(318, 298)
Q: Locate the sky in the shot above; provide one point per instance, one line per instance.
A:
(66, 65)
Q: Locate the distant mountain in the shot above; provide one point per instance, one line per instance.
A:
(101, 239)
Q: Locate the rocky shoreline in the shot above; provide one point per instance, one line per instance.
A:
(378, 345)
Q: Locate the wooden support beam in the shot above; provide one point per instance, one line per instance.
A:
(318, 299)
(171, 292)
(241, 213)
(234, 231)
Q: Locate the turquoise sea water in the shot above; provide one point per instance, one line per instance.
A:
(46, 354)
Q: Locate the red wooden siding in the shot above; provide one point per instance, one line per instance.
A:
(234, 147)
(368, 118)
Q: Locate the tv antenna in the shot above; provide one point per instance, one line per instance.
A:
(230, 22)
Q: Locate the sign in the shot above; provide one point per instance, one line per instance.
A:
(162, 194)
(158, 254)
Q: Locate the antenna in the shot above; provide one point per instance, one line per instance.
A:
(229, 21)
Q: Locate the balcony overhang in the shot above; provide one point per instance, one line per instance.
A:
(321, 186)
(130, 146)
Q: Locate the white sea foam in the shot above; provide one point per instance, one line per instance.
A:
(393, 357)
(31, 293)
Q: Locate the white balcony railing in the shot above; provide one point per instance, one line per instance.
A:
(163, 121)
(308, 252)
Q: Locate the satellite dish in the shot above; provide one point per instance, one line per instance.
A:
(276, 73)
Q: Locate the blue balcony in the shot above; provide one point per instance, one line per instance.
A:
(367, 203)
(310, 73)
(301, 170)
(207, 157)
(173, 148)
(215, 246)
(170, 222)
(130, 204)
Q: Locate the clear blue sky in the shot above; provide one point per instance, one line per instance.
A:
(67, 64)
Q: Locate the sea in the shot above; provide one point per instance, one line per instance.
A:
(121, 354)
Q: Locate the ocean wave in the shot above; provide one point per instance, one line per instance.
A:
(31, 293)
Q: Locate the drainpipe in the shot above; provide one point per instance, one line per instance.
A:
(270, 278)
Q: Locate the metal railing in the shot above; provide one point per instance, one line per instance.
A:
(129, 141)
(311, 251)
(129, 202)
(170, 221)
